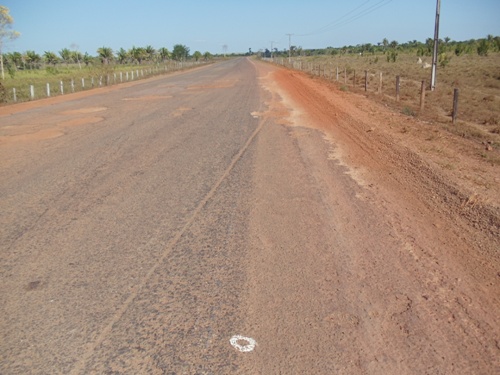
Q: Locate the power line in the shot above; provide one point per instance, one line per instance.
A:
(342, 21)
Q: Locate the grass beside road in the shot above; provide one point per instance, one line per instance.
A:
(93, 76)
(477, 78)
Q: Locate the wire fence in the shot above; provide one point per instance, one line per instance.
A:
(55, 86)
(397, 87)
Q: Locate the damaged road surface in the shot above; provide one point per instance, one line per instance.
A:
(236, 218)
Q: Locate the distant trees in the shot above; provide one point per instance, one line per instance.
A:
(163, 54)
(87, 59)
(65, 55)
(105, 54)
(77, 58)
(197, 55)
(180, 52)
(137, 54)
(150, 53)
(483, 47)
(122, 56)
(32, 59)
(50, 58)
(447, 48)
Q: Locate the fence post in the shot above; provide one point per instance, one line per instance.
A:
(72, 85)
(14, 94)
(92, 81)
(345, 75)
(337, 74)
(422, 96)
(62, 87)
(83, 83)
(366, 80)
(380, 84)
(48, 89)
(455, 106)
(397, 88)
(121, 76)
(32, 92)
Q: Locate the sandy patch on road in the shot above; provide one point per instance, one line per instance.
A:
(223, 84)
(84, 110)
(36, 136)
(180, 111)
(148, 97)
(81, 121)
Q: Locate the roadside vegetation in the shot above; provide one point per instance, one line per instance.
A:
(70, 66)
(471, 66)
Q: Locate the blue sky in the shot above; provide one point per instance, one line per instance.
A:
(51, 25)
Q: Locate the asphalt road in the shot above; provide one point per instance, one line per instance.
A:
(122, 227)
(143, 227)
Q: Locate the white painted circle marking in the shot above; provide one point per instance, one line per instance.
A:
(251, 343)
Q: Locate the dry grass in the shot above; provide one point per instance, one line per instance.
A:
(477, 78)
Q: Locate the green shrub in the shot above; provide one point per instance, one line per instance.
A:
(483, 47)
(408, 112)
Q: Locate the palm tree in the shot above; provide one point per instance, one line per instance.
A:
(87, 59)
(150, 52)
(138, 54)
(105, 54)
(76, 57)
(32, 58)
(50, 58)
(17, 59)
(122, 56)
(164, 53)
(65, 55)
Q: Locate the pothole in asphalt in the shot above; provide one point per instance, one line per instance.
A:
(32, 285)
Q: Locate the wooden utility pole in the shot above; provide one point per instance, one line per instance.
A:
(422, 96)
(436, 42)
(272, 46)
(397, 88)
(455, 106)
(289, 47)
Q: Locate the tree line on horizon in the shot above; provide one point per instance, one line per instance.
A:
(104, 55)
(447, 48)
(147, 55)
